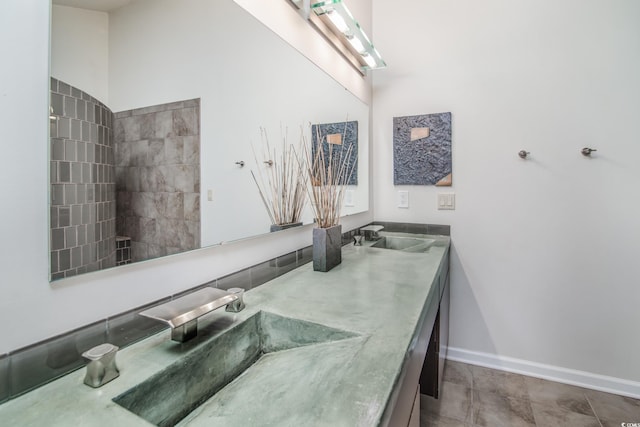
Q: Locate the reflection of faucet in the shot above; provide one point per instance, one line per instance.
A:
(102, 365)
(371, 232)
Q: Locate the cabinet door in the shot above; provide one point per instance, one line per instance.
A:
(433, 368)
(430, 368)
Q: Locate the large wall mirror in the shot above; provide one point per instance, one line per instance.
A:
(155, 107)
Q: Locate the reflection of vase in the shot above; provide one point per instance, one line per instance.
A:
(278, 227)
(327, 247)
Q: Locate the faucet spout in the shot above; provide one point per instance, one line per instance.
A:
(371, 232)
(182, 313)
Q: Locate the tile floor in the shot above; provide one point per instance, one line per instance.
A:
(473, 396)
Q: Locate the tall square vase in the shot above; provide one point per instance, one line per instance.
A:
(327, 247)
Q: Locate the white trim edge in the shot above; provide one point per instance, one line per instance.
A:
(548, 372)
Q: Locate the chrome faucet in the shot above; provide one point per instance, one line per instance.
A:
(102, 365)
(182, 314)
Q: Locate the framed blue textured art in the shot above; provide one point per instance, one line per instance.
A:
(338, 137)
(422, 150)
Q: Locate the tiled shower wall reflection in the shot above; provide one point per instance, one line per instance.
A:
(82, 182)
(158, 178)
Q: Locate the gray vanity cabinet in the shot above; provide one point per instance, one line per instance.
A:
(423, 367)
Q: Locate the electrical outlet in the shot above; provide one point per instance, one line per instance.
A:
(446, 201)
(403, 199)
(348, 198)
(210, 195)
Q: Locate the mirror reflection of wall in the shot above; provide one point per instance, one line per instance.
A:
(150, 53)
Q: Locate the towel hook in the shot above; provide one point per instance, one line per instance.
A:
(523, 154)
(240, 163)
(587, 151)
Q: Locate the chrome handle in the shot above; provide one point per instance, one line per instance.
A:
(102, 366)
(523, 154)
(587, 151)
(238, 304)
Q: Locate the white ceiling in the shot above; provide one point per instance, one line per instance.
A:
(99, 5)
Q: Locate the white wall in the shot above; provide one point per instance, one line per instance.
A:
(80, 49)
(544, 257)
(34, 309)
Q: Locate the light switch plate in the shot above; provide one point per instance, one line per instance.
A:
(446, 201)
(403, 199)
(210, 195)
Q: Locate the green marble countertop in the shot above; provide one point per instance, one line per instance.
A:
(376, 293)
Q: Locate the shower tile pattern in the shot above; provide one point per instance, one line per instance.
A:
(82, 179)
(158, 178)
(123, 250)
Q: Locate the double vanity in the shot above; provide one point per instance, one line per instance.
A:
(342, 348)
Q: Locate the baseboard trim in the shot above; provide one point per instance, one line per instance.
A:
(547, 372)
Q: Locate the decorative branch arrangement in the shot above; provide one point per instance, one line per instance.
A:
(283, 184)
(328, 177)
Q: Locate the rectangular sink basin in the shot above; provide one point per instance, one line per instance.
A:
(405, 244)
(170, 395)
